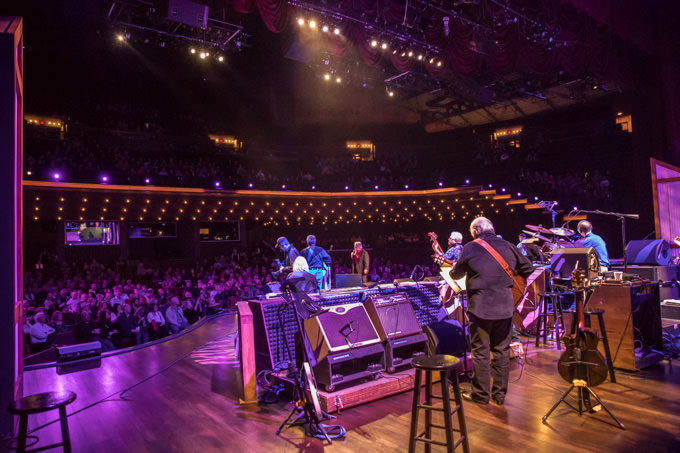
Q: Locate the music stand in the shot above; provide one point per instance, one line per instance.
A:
(307, 410)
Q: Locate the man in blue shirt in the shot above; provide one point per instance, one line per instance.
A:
(590, 239)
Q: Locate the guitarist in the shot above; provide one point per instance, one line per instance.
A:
(455, 246)
(490, 307)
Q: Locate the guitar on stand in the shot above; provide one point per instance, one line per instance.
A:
(581, 364)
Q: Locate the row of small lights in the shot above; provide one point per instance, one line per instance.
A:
(203, 54)
(407, 216)
(410, 53)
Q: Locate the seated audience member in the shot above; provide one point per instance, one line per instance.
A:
(142, 325)
(174, 316)
(189, 306)
(41, 333)
(86, 331)
(128, 330)
(57, 322)
(156, 322)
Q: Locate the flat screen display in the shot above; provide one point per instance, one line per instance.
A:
(91, 232)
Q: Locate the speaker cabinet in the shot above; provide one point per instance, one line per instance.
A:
(345, 344)
(393, 316)
(564, 261)
(656, 252)
(79, 357)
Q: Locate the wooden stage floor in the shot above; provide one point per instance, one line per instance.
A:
(180, 396)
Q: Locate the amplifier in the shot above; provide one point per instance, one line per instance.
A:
(78, 357)
(393, 316)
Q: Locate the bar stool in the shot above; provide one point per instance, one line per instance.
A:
(587, 312)
(446, 365)
(42, 402)
(547, 303)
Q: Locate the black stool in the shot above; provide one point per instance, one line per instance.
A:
(42, 402)
(444, 364)
(603, 334)
(547, 303)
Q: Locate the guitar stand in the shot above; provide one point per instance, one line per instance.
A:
(304, 411)
(581, 387)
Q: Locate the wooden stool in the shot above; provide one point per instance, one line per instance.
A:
(446, 365)
(42, 402)
(549, 302)
(587, 312)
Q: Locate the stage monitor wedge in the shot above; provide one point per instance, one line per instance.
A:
(653, 252)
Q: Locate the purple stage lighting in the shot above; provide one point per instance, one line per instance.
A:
(519, 194)
(283, 186)
(313, 187)
(467, 181)
(250, 185)
(441, 184)
(346, 187)
(406, 186)
(218, 184)
(105, 179)
(147, 181)
(376, 187)
(56, 176)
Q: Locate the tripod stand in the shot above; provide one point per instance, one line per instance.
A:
(581, 364)
(307, 410)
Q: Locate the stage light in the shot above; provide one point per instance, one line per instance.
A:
(431, 60)
(218, 185)
(192, 50)
(406, 186)
(220, 58)
(376, 187)
(56, 176)
(120, 37)
(312, 23)
(283, 186)
(202, 55)
(313, 188)
(250, 185)
(374, 43)
(104, 179)
(503, 189)
(327, 77)
(519, 194)
(29, 173)
(467, 181)
(301, 22)
(338, 80)
(390, 93)
(384, 45)
(439, 63)
(324, 28)
(441, 184)
(346, 187)
(336, 31)
(410, 53)
(147, 181)
(420, 57)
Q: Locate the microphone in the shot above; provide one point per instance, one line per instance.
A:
(546, 204)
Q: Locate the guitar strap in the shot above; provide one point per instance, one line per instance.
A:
(496, 256)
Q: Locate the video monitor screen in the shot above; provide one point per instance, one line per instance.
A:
(90, 232)
(153, 230)
(219, 231)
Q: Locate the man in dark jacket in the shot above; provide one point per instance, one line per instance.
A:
(360, 261)
(490, 308)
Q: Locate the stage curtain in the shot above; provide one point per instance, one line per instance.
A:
(244, 6)
(275, 14)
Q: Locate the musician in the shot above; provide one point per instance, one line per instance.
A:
(360, 261)
(319, 261)
(301, 278)
(289, 255)
(490, 308)
(590, 239)
(529, 249)
(455, 246)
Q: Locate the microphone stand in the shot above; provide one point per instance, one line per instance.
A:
(622, 218)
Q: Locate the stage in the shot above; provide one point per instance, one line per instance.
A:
(182, 396)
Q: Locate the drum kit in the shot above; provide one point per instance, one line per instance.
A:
(553, 238)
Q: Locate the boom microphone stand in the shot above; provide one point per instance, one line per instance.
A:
(622, 218)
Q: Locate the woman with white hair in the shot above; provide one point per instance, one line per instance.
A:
(490, 307)
(301, 278)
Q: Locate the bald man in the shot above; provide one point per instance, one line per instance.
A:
(590, 239)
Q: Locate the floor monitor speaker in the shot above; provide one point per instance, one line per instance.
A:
(655, 252)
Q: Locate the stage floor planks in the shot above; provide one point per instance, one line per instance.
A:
(182, 397)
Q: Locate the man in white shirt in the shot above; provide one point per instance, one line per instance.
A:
(40, 333)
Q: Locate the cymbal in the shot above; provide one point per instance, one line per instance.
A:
(677, 241)
(538, 229)
(536, 235)
(566, 232)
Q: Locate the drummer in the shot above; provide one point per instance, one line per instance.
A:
(528, 248)
(590, 239)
